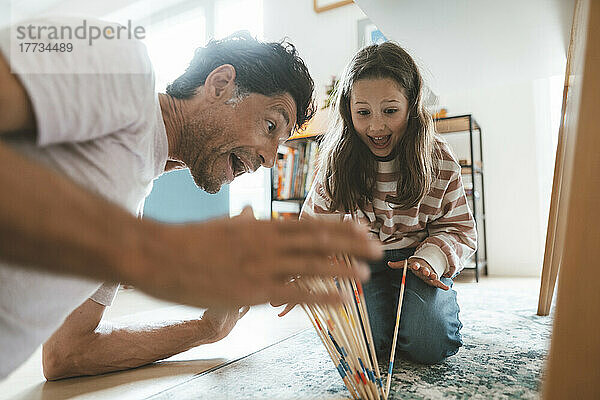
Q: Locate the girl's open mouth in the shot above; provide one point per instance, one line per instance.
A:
(380, 142)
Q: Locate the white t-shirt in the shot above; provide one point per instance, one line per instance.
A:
(105, 132)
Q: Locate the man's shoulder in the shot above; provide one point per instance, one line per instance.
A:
(74, 45)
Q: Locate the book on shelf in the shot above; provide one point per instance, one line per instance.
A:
(311, 164)
(294, 171)
(288, 173)
(285, 216)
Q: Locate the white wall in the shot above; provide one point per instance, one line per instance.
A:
(326, 41)
(515, 225)
(478, 43)
(504, 62)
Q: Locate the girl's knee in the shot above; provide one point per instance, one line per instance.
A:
(431, 352)
(434, 335)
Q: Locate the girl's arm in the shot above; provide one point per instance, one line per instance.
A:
(452, 237)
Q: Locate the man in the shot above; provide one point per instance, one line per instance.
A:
(110, 133)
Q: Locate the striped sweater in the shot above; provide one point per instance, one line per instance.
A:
(441, 226)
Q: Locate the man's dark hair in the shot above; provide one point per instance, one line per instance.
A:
(266, 68)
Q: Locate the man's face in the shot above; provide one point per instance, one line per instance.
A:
(232, 138)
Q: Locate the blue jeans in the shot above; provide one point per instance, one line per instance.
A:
(429, 325)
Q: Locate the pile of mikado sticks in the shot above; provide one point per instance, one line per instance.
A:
(346, 333)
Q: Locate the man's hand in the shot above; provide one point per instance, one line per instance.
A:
(423, 270)
(217, 322)
(232, 262)
(288, 307)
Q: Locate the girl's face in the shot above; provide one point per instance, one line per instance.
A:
(379, 113)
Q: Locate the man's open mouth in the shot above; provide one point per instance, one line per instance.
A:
(237, 165)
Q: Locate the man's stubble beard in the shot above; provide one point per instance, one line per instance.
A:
(201, 146)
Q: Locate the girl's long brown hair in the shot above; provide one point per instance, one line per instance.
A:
(347, 167)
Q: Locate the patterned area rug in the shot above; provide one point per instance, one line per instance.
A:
(502, 358)
(505, 347)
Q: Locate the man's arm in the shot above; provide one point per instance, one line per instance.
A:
(41, 211)
(85, 346)
(48, 222)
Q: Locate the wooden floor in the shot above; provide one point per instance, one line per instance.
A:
(259, 329)
(259, 332)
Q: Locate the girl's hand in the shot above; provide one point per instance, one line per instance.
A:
(423, 270)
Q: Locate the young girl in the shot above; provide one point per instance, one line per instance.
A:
(382, 164)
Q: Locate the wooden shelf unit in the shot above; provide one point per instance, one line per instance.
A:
(459, 123)
(468, 126)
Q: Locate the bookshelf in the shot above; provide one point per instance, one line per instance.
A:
(463, 134)
(292, 175)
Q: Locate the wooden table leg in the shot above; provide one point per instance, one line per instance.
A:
(574, 360)
(552, 254)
